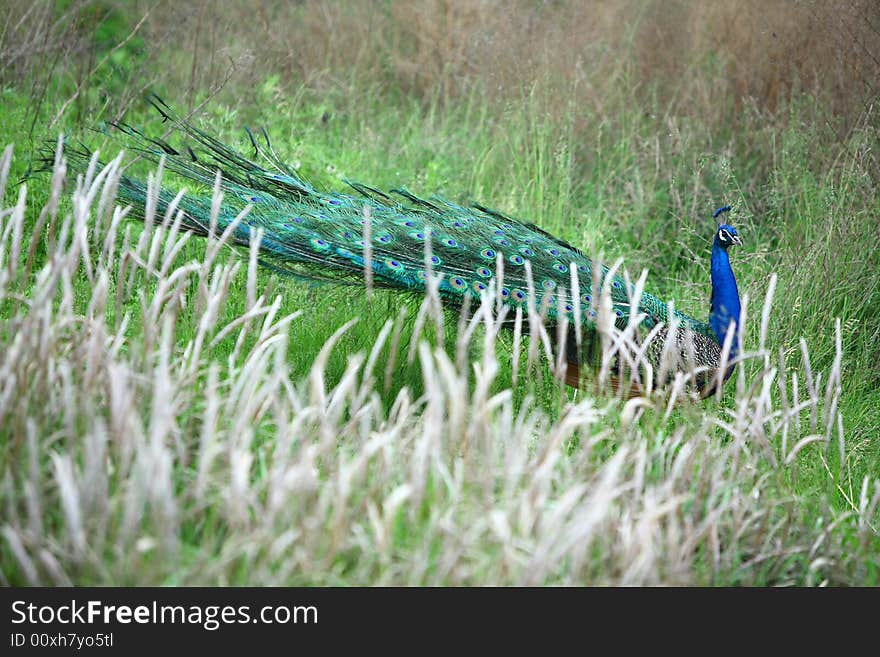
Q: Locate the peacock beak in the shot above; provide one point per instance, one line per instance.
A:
(736, 240)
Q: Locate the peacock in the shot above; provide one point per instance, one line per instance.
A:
(402, 241)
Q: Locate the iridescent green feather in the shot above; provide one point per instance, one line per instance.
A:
(320, 234)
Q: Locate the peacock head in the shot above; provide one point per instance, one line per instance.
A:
(726, 236)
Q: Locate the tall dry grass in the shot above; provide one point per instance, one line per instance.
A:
(709, 60)
(704, 59)
(153, 460)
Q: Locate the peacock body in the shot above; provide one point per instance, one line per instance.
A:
(329, 236)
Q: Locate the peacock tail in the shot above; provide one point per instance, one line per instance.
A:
(322, 235)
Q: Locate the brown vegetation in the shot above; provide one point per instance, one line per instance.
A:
(698, 56)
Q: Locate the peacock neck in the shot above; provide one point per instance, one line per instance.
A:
(725, 298)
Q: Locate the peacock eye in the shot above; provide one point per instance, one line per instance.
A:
(723, 235)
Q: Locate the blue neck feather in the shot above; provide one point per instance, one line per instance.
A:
(725, 306)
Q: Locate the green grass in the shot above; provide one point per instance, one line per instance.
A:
(499, 494)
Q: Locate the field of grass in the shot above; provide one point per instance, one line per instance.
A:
(170, 413)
